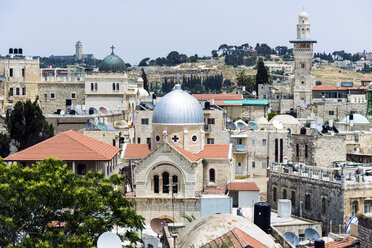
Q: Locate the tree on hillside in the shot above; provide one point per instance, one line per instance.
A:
(242, 78)
(145, 80)
(4, 145)
(26, 124)
(262, 77)
(144, 62)
(47, 205)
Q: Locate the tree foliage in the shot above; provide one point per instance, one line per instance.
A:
(242, 78)
(4, 145)
(145, 80)
(26, 124)
(47, 205)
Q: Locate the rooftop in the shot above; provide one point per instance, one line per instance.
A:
(208, 97)
(132, 151)
(242, 186)
(67, 146)
(245, 102)
(346, 242)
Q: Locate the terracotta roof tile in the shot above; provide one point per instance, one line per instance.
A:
(366, 80)
(243, 186)
(201, 97)
(324, 87)
(67, 146)
(215, 151)
(346, 242)
(190, 156)
(136, 151)
(238, 239)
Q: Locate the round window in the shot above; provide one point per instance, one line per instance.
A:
(157, 138)
(194, 138)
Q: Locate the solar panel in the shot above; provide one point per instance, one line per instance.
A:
(311, 234)
(292, 238)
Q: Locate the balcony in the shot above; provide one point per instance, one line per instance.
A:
(239, 149)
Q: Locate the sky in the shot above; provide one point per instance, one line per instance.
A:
(153, 28)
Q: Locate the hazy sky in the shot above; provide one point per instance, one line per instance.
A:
(153, 28)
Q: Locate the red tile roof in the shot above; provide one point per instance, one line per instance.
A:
(136, 151)
(67, 146)
(328, 87)
(366, 80)
(324, 87)
(190, 156)
(243, 186)
(215, 151)
(236, 238)
(346, 242)
(201, 97)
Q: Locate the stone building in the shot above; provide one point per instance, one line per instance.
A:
(171, 178)
(317, 149)
(320, 194)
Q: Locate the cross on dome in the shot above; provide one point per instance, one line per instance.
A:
(112, 48)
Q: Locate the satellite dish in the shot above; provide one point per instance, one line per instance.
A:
(277, 124)
(254, 93)
(62, 112)
(231, 125)
(311, 234)
(241, 125)
(157, 225)
(108, 240)
(150, 105)
(103, 109)
(292, 238)
(90, 126)
(253, 125)
(92, 111)
(102, 126)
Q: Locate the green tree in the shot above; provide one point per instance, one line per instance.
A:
(262, 77)
(4, 145)
(145, 80)
(242, 78)
(26, 124)
(144, 62)
(35, 199)
(271, 115)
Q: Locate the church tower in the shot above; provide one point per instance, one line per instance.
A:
(79, 51)
(303, 54)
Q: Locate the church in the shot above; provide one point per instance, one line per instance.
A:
(173, 178)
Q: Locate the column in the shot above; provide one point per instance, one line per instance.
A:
(73, 167)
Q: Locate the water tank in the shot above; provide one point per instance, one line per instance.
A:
(319, 243)
(262, 215)
(303, 131)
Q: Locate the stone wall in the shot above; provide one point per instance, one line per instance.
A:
(365, 230)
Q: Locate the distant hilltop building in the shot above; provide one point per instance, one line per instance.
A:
(78, 54)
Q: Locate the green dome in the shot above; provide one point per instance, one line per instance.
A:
(112, 63)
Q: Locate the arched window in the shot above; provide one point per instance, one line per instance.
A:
(113, 86)
(212, 175)
(91, 86)
(284, 194)
(156, 184)
(324, 205)
(117, 86)
(354, 208)
(165, 182)
(175, 184)
(81, 169)
(274, 194)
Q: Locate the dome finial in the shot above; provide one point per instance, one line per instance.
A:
(178, 85)
(112, 48)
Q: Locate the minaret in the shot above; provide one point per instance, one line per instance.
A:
(79, 51)
(303, 54)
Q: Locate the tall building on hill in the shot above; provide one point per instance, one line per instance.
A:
(79, 50)
(303, 54)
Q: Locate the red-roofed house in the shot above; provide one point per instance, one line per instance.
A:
(366, 81)
(80, 152)
(208, 97)
(350, 94)
(245, 194)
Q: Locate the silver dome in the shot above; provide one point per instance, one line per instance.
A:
(176, 108)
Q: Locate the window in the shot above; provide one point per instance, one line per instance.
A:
(113, 86)
(281, 151)
(210, 121)
(23, 72)
(175, 184)
(274, 194)
(157, 138)
(95, 86)
(210, 140)
(11, 91)
(367, 206)
(212, 175)
(73, 95)
(239, 141)
(331, 113)
(253, 142)
(263, 142)
(138, 140)
(45, 96)
(307, 202)
(293, 198)
(156, 184)
(253, 164)
(302, 98)
(91, 86)
(114, 142)
(117, 86)
(264, 164)
(165, 182)
(354, 208)
(284, 194)
(302, 65)
(297, 150)
(194, 138)
(11, 72)
(264, 96)
(301, 237)
(148, 141)
(306, 151)
(276, 150)
(145, 121)
(81, 169)
(23, 91)
(52, 95)
(17, 91)
(324, 205)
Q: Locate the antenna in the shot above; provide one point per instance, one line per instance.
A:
(292, 238)
(311, 234)
(108, 240)
(277, 124)
(157, 225)
(253, 125)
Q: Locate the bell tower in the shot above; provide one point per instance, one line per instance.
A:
(303, 54)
